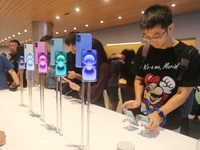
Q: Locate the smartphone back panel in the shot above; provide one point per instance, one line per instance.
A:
(28, 48)
(60, 63)
(89, 65)
(56, 45)
(39, 47)
(83, 41)
(42, 62)
(30, 65)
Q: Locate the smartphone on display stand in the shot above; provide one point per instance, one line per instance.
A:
(28, 48)
(56, 45)
(83, 41)
(42, 62)
(21, 63)
(60, 63)
(39, 47)
(30, 66)
(89, 65)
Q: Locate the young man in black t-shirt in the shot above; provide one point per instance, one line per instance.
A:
(15, 51)
(157, 91)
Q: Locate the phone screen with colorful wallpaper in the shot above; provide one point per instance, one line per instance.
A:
(83, 41)
(42, 62)
(21, 63)
(30, 66)
(60, 64)
(39, 47)
(89, 65)
(56, 45)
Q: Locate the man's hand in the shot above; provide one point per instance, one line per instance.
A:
(2, 138)
(131, 104)
(154, 122)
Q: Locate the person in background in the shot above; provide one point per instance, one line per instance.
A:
(74, 73)
(50, 80)
(4, 54)
(2, 138)
(127, 73)
(15, 50)
(103, 71)
(115, 63)
(7, 66)
(9, 56)
(156, 86)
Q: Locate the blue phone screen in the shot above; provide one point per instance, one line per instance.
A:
(30, 61)
(89, 65)
(83, 41)
(60, 62)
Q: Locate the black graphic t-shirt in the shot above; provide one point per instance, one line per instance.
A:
(159, 72)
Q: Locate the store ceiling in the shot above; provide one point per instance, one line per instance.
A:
(17, 15)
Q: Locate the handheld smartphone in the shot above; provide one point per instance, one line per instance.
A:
(42, 62)
(28, 48)
(130, 114)
(39, 47)
(21, 64)
(30, 66)
(89, 65)
(83, 41)
(60, 64)
(143, 118)
(56, 45)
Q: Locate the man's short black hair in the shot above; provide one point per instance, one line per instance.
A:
(156, 15)
(15, 41)
(71, 38)
(46, 38)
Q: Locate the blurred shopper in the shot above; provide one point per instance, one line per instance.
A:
(7, 66)
(103, 72)
(15, 51)
(115, 63)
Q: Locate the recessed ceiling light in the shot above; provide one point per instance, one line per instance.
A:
(65, 30)
(142, 12)
(56, 32)
(86, 25)
(25, 30)
(29, 39)
(2, 40)
(120, 17)
(77, 9)
(18, 33)
(5, 39)
(13, 35)
(57, 17)
(101, 21)
(173, 5)
(74, 28)
(9, 37)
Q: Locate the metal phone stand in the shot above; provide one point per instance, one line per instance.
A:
(30, 85)
(21, 86)
(42, 111)
(82, 115)
(59, 107)
(88, 114)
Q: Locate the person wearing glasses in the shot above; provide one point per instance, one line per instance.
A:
(157, 91)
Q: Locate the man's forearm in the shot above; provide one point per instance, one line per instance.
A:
(14, 76)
